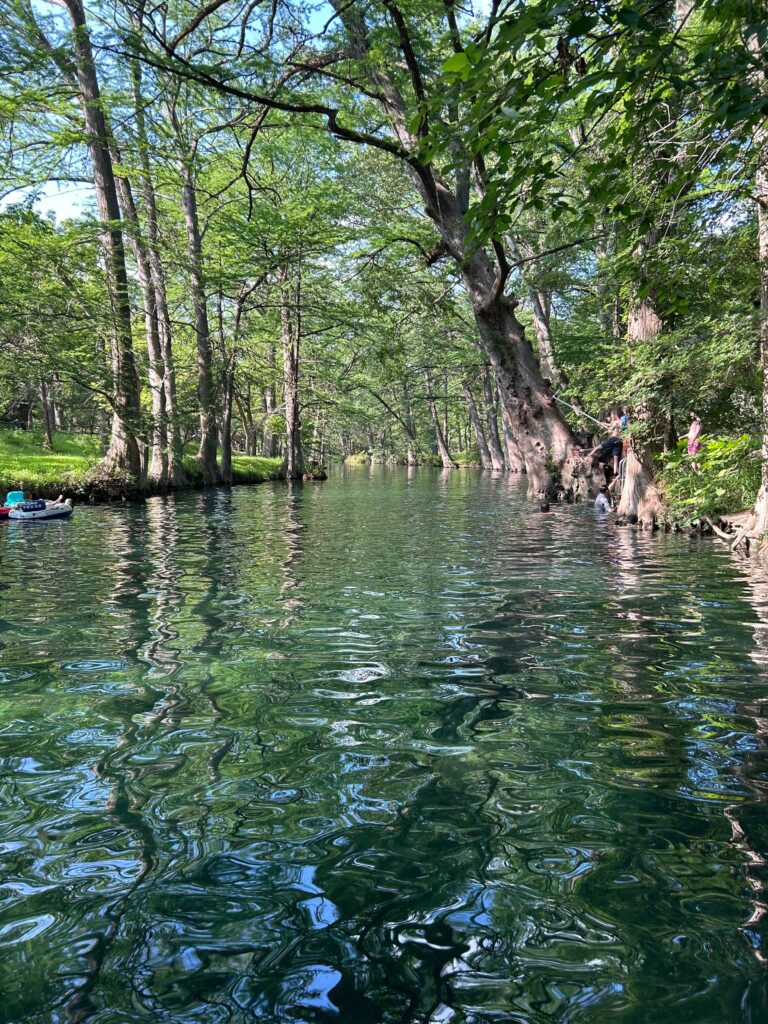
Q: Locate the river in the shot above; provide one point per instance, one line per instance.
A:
(395, 747)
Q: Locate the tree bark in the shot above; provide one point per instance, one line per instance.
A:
(157, 463)
(175, 474)
(227, 401)
(243, 401)
(543, 437)
(56, 408)
(477, 426)
(227, 389)
(206, 455)
(492, 429)
(513, 460)
(761, 195)
(290, 323)
(541, 302)
(123, 456)
(639, 496)
(445, 456)
(270, 404)
(45, 402)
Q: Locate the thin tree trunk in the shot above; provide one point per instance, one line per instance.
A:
(227, 390)
(492, 431)
(540, 300)
(640, 500)
(477, 426)
(157, 467)
(123, 455)
(206, 455)
(45, 402)
(446, 418)
(56, 408)
(445, 456)
(513, 460)
(243, 402)
(761, 194)
(175, 454)
(270, 404)
(290, 322)
(541, 307)
(316, 453)
(227, 401)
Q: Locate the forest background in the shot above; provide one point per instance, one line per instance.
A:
(397, 231)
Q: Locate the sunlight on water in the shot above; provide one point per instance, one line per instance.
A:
(391, 748)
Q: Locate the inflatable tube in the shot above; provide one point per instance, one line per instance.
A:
(51, 512)
(4, 510)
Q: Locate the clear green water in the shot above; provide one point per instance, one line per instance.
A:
(389, 748)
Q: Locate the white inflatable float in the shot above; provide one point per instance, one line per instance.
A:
(29, 510)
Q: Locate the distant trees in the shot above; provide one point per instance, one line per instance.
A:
(405, 234)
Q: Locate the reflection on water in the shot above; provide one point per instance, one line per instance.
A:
(393, 748)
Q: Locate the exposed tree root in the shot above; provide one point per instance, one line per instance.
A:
(641, 501)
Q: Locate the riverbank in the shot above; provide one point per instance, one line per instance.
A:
(70, 468)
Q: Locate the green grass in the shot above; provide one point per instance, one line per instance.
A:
(246, 469)
(253, 469)
(25, 466)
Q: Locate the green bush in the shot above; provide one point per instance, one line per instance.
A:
(726, 480)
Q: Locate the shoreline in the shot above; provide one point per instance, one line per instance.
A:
(113, 491)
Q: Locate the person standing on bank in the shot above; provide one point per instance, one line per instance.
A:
(693, 436)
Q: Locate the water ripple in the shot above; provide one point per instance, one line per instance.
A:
(396, 748)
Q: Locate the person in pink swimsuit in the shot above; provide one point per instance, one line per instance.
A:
(693, 435)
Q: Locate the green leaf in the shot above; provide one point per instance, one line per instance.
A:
(457, 63)
(582, 25)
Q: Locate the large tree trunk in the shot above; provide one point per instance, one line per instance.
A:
(123, 456)
(640, 500)
(445, 456)
(491, 422)
(543, 437)
(477, 426)
(290, 323)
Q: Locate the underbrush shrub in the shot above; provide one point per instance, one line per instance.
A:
(723, 477)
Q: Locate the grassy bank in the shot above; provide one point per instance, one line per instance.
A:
(25, 466)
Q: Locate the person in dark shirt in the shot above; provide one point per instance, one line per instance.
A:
(611, 447)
